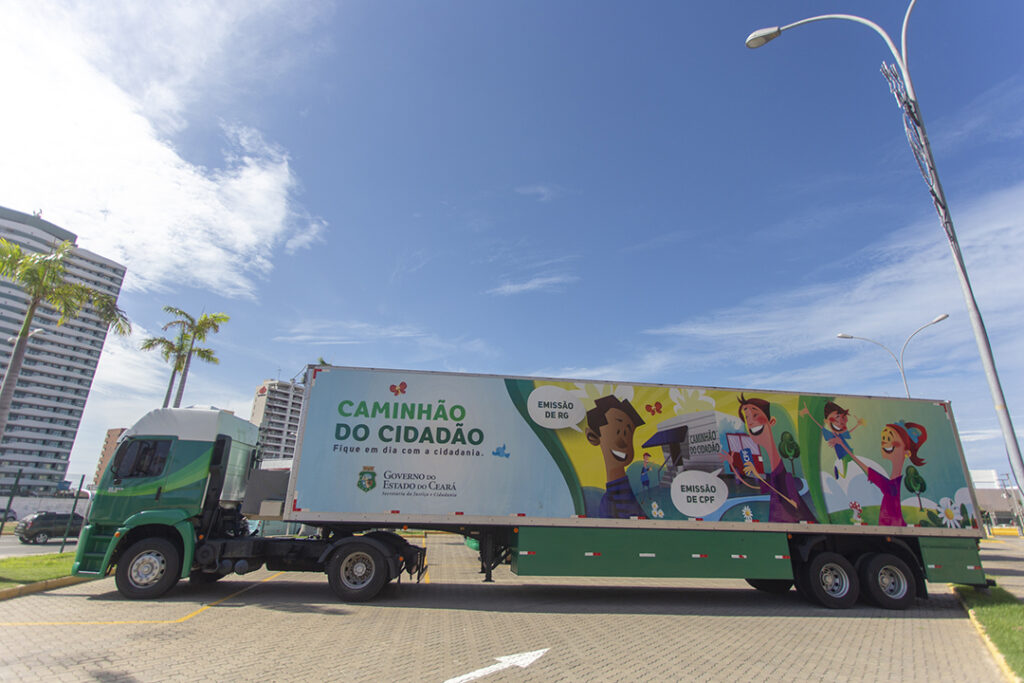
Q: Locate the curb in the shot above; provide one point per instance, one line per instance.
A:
(1004, 668)
(40, 586)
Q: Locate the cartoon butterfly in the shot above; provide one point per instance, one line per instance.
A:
(399, 389)
(655, 409)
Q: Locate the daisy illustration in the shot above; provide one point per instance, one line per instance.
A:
(748, 515)
(947, 514)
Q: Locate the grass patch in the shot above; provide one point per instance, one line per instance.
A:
(1002, 615)
(15, 571)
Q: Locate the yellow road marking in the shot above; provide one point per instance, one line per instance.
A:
(141, 621)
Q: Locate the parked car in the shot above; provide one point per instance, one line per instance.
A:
(11, 515)
(40, 527)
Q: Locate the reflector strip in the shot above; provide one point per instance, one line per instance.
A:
(592, 554)
(527, 552)
(935, 566)
(460, 513)
(395, 512)
(699, 557)
(783, 557)
(739, 557)
(647, 555)
(973, 567)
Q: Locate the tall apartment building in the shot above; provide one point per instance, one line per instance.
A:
(59, 365)
(106, 453)
(276, 410)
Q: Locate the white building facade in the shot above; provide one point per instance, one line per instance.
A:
(276, 411)
(59, 364)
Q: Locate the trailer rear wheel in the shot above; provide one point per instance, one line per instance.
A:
(774, 586)
(148, 568)
(832, 581)
(888, 582)
(357, 572)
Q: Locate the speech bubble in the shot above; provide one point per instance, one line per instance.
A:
(555, 408)
(698, 494)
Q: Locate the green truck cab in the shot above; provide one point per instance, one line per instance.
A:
(177, 475)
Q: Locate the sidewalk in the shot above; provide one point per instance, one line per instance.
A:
(1003, 560)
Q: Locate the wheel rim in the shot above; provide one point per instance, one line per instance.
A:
(146, 569)
(892, 582)
(357, 570)
(834, 580)
(42, 538)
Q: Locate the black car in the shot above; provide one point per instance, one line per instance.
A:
(40, 527)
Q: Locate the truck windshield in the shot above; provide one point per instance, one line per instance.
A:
(140, 458)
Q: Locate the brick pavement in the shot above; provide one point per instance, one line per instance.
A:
(290, 627)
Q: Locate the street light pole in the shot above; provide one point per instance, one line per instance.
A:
(902, 88)
(899, 361)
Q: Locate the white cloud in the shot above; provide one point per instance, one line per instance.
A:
(95, 91)
(543, 193)
(532, 285)
(786, 338)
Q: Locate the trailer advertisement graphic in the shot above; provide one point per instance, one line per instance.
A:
(432, 443)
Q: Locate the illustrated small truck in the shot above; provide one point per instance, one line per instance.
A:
(839, 496)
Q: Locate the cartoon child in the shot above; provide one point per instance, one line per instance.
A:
(645, 476)
(610, 426)
(900, 440)
(784, 501)
(836, 434)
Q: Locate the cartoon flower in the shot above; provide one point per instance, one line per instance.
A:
(656, 511)
(947, 514)
(748, 515)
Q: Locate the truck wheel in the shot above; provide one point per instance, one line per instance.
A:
(773, 586)
(41, 537)
(833, 581)
(888, 582)
(148, 569)
(357, 572)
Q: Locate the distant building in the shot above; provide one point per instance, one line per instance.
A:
(59, 365)
(998, 497)
(109, 446)
(276, 410)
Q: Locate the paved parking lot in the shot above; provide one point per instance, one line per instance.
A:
(270, 626)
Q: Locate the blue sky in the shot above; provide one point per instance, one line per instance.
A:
(592, 190)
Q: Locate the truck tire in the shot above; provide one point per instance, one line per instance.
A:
(148, 569)
(773, 586)
(832, 581)
(887, 581)
(40, 538)
(357, 572)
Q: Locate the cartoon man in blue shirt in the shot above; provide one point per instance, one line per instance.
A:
(610, 427)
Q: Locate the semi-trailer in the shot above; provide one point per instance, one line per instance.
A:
(839, 496)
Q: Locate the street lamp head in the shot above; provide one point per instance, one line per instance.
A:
(762, 36)
(940, 318)
(843, 335)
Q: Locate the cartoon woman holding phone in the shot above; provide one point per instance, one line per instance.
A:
(900, 440)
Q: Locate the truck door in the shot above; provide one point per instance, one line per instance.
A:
(143, 476)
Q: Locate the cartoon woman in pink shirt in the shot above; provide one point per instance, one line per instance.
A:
(900, 440)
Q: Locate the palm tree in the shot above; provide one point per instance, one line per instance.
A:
(192, 330)
(43, 278)
(169, 350)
